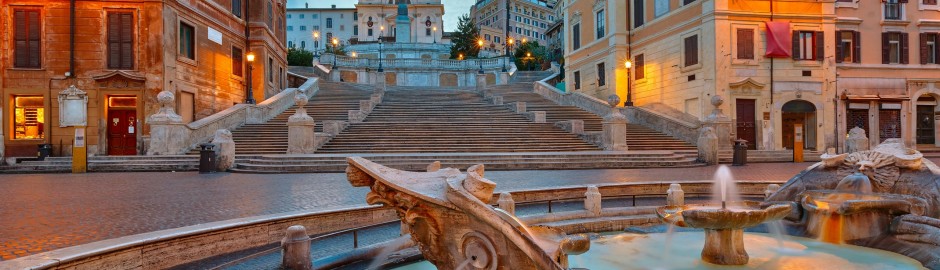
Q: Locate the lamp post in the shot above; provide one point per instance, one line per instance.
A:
(380, 50)
(480, 43)
(335, 43)
(249, 97)
(434, 34)
(629, 102)
(316, 43)
(511, 41)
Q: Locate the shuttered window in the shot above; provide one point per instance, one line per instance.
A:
(576, 37)
(577, 80)
(894, 48)
(27, 39)
(691, 50)
(120, 40)
(640, 69)
(601, 75)
(187, 41)
(929, 49)
(745, 43)
(848, 47)
(237, 8)
(638, 13)
(237, 62)
(808, 45)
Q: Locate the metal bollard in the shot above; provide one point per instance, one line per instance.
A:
(295, 247)
(207, 158)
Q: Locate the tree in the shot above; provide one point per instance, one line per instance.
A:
(299, 57)
(530, 56)
(465, 39)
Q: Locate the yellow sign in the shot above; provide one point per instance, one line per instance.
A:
(798, 143)
(79, 152)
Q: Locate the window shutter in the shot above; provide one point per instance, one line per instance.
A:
(905, 48)
(885, 52)
(127, 41)
(936, 47)
(839, 50)
(923, 48)
(20, 50)
(857, 41)
(114, 37)
(820, 46)
(902, 1)
(35, 43)
(796, 45)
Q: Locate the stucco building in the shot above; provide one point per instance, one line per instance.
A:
(424, 23)
(528, 20)
(122, 55)
(327, 23)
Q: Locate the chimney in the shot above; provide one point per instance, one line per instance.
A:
(306, 5)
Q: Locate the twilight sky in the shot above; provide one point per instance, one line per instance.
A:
(452, 8)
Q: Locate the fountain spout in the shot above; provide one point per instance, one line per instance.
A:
(855, 183)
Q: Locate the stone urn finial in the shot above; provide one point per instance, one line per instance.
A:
(300, 99)
(166, 112)
(613, 100)
(716, 101)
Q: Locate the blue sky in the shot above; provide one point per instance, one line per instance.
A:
(452, 8)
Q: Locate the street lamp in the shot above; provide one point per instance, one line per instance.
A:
(480, 43)
(380, 50)
(335, 43)
(629, 102)
(509, 48)
(316, 43)
(249, 97)
(434, 34)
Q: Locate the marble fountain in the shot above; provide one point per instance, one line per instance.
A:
(873, 209)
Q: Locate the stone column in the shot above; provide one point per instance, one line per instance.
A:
(225, 149)
(380, 81)
(615, 127)
(481, 81)
(301, 137)
(721, 124)
(168, 134)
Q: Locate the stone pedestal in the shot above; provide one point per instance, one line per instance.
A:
(168, 134)
(538, 117)
(504, 78)
(497, 100)
(721, 124)
(2, 139)
(225, 149)
(380, 81)
(615, 132)
(577, 127)
(592, 200)
(365, 106)
(333, 127)
(857, 141)
(481, 81)
(725, 247)
(506, 203)
(675, 196)
(301, 137)
(707, 146)
(295, 248)
(520, 107)
(334, 74)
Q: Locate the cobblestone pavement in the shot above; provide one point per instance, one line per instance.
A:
(42, 212)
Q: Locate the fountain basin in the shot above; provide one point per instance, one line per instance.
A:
(723, 225)
(677, 251)
(837, 217)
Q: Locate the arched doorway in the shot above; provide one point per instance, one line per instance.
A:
(799, 112)
(926, 132)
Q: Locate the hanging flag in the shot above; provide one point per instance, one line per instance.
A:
(779, 40)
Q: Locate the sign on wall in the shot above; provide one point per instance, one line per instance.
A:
(215, 35)
(73, 107)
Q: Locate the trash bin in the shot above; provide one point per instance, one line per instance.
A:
(740, 153)
(45, 150)
(207, 158)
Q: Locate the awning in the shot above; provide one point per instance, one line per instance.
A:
(779, 40)
(873, 88)
(875, 97)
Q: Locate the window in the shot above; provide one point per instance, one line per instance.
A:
(601, 75)
(848, 47)
(187, 41)
(930, 2)
(28, 118)
(329, 22)
(745, 44)
(638, 12)
(303, 44)
(576, 36)
(929, 49)
(639, 67)
(892, 10)
(355, 30)
(690, 50)
(329, 38)
(270, 15)
(301, 16)
(894, 48)
(577, 80)
(686, 2)
(661, 7)
(120, 40)
(237, 62)
(314, 16)
(370, 32)
(355, 15)
(808, 45)
(288, 16)
(237, 8)
(600, 24)
(27, 39)
(271, 70)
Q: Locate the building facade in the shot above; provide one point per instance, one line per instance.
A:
(379, 18)
(124, 53)
(312, 28)
(529, 20)
(595, 47)
(888, 72)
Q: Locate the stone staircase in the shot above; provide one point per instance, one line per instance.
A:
(768, 156)
(442, 121)
(638, 136)
(530, 76)
(332, 102)
(108, 164)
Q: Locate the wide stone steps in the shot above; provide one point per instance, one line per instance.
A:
(492, 161)
(108, 164)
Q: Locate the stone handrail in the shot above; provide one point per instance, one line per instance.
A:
(203, 130)
(374, 47)
(470, 64)
(588, 103)
(679, 129)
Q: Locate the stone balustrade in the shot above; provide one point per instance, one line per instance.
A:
(490, 65)
(169, 136)
(367, 48)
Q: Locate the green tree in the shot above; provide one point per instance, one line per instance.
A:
(465, 39)
(530, 56)
(299, 57)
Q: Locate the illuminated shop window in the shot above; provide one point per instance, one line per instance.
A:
(28, 118)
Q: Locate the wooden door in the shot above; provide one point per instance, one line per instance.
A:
(925, 124)
(746, 122)
(122, 133)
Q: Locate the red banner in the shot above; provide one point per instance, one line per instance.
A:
(779, 40)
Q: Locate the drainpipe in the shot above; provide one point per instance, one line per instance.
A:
(771, 68)
(72, 39)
